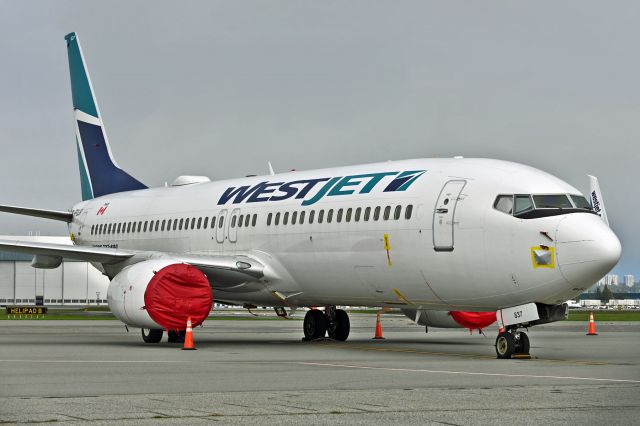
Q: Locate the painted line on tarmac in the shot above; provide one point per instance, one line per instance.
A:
(91, 361)
(474, 356)
(467, 373)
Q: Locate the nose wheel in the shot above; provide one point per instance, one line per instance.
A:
(512, 344)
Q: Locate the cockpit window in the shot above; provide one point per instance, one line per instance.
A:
(555, 201)
(504, 203)
(581, 202)
(523, 204)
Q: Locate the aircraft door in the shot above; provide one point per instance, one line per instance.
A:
(232, 227)
(221, 226)
(444, 215)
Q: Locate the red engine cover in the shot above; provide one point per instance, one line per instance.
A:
(177, 292)
(473, 320)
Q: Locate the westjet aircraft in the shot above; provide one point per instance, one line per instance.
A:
(422, 235)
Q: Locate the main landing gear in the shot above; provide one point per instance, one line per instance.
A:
(332, 322)
(512, 343)
(151, 335)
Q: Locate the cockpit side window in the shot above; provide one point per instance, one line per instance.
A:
(523, 204)
(581, 202)
(504, 203)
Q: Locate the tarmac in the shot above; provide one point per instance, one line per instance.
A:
(257, 372)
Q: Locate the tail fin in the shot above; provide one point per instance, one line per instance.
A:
(99, 173)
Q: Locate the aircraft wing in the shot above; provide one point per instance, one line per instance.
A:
(89, 254)
(227, 271)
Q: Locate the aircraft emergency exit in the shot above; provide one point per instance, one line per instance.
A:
(448, 234)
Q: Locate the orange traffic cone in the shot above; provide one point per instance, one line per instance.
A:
(378, 334)
(188, 338)
(592, 326)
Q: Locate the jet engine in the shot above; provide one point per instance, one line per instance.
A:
(160, 294)
(451, 319)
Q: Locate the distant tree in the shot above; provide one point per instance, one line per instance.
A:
(599, 293)
(606, 294)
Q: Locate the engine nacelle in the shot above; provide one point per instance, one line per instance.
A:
(440, 319)
(451, 319)
(160, 294)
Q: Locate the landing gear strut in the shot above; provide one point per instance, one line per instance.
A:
(333, 322)
(512, 343)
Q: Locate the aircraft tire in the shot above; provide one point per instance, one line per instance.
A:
(314, 325)
(152, 335)
(505, 345)
(342, 326)
(523, 343)
(175, 336)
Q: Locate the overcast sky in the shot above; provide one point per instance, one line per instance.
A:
(218, 88)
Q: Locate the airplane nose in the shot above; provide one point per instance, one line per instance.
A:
(586, 249)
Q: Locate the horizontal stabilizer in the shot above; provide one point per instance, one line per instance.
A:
(46, 214)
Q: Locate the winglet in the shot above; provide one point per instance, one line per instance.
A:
(596, 199)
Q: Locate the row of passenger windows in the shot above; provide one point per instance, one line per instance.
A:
(247, 220)
(171, 225)
(347, 214)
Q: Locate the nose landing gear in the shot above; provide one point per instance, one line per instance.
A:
(512, 344)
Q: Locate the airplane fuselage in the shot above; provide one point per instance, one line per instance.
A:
(424, 232)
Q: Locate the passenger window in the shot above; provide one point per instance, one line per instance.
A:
(157, 225)
(246, 220)
(193, 223)
(199, 222)
(302, 217)
(180, 224)
(220, 222)
(523, 204)
(376, 213)
(312, 213)
(320, 216)
(367, 214)
(145, 225)
(163, 223)
(387, 212)
(294, 216)
(213, 222)
(339, 216)
(329, 215)
(504, 203)
(348, 218)
(119, 225)
(240, 221)
(277, 218)
(255, 219)
(233, 221)
(357, 217)
(285, 218)
(408, 211)
(269, 219)
(396, 213)
(139, 226)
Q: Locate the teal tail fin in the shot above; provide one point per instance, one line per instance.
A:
(99, 173)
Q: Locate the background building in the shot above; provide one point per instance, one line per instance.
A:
(72, 283)
(629, 281)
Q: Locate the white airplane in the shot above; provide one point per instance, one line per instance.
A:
(422, 234)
